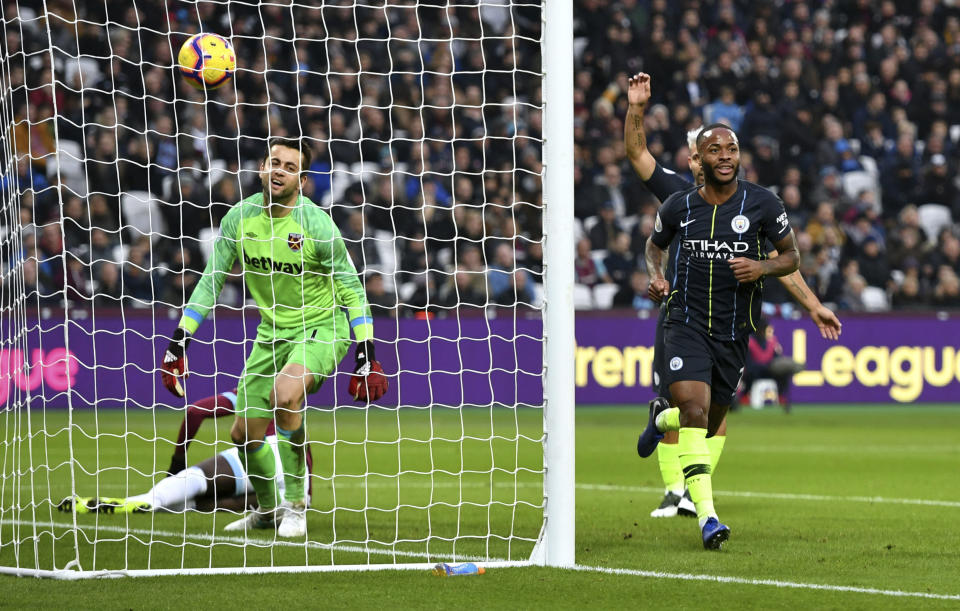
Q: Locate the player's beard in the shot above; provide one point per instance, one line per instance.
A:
(710, 176)
(284, 197)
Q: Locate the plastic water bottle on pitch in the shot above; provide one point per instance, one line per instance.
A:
(442, 569)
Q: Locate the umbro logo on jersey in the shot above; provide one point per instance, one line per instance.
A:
(685, 223)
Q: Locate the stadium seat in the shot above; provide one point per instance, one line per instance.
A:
(405, 291)
(539, 294)
(207, 237)
(875, 299)
(141, 215)
(933, 218)
(582, 297)
(218, 169)
(589, 223)
(855, 182)
(869, 165)
(603, 295)
(386, 248)
(69, 162)
(761, 391)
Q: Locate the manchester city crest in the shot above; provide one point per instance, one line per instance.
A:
(295, 241)
(740, 223)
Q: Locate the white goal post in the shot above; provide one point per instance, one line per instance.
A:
(442, 139)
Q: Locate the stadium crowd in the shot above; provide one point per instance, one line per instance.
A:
(426, 128)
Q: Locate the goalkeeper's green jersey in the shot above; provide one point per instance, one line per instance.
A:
(296, 267)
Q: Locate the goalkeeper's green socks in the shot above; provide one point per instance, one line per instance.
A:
(695, 461)
(261, 468)
(668, 456)
(293, 459)
(715, 444)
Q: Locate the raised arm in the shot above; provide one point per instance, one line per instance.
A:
(634, 137)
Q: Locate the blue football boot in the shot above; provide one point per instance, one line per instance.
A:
(650, 437)
(714, 533)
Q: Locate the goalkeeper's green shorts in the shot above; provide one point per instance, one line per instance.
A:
(318, 351)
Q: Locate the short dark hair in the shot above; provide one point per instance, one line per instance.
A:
(306, 153)
(703, 131)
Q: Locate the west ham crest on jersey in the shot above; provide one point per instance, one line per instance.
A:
(295, 241)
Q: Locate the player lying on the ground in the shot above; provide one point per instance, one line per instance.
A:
(214, 406)
(219, 482)
(663, 183)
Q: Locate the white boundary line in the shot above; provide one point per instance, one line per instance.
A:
(500, 562)
(783, 496)
(240, 541)
(764, 582)
(780, 495)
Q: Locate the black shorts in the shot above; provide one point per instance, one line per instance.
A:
(659, 385)
(691, 355)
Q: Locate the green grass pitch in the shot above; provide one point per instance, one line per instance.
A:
(851, 499)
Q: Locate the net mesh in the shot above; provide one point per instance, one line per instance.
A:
(425, 122)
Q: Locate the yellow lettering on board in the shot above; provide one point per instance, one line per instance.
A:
(805, 377)
(608, 367)
(637, 358)
(837, 366)
(585, 354)
(942, 376)
(908, 382)
(880, 374)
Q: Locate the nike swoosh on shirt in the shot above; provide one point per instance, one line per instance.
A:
(682, 224)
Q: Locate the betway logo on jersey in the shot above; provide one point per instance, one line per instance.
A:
(715, 249)
(268, 264)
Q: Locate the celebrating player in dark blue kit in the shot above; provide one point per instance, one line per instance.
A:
(663, 183)
(713, 303)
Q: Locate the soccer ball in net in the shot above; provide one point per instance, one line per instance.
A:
(207, 61)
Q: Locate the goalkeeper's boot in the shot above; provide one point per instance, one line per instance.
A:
(294, 521)
(650, 437)
(714, 533)
(255, 520)
(686, 507)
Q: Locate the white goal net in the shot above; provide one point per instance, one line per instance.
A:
(424, 118)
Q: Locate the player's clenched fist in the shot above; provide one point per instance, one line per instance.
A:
(658, 289)
(638, 89)
(367, 382)
(175, 362)
(746, 270)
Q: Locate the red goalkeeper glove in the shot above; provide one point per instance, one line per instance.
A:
(175, 362)
(367, 382)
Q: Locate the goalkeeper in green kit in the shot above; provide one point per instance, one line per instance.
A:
(297, 269)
